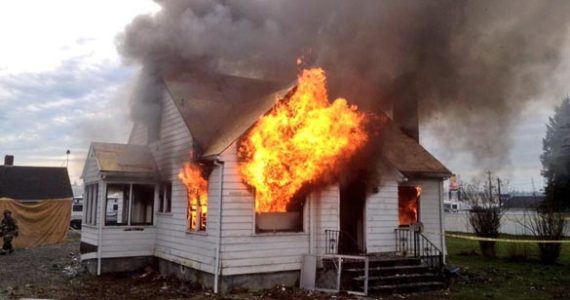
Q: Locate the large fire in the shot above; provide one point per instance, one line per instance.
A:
(197, 191)
(408, 204)
(303, 140)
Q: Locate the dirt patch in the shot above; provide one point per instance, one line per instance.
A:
(55, 272)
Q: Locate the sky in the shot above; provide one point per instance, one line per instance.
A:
(63, 85)
(62, 82)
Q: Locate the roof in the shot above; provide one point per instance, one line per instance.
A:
(124, 158)
(219, 108)
(408, 156)
(34, 183)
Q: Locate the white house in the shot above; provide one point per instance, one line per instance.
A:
(235, 247)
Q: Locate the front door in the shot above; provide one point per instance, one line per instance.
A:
(352, 202)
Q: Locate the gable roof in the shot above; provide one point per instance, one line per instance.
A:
(218, 108)
(124, 158)
(408, 156)
(34, 183)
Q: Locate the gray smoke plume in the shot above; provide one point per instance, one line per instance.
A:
(473, 63)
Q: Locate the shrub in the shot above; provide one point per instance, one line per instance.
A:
(486, 222)
(548, 225)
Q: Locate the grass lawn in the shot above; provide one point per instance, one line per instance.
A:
(504, 277)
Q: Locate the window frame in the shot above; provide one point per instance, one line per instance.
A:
(303, 214)
(199, 229)
(165, 197)
(91, 192)
(130, 203)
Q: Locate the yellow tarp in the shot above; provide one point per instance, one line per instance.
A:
(40, 223)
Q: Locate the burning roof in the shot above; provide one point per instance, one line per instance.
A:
(218, 109)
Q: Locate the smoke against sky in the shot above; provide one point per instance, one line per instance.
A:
(473, 65)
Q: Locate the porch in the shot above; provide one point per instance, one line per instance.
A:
(416, 265)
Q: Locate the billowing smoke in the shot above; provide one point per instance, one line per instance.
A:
(473, 63)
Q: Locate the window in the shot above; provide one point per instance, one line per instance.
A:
(197, 213)
(117, 204)
(143, 200)
(129, 204)
(91, 202)
(77, 207)
(165, 197)
(288, 221)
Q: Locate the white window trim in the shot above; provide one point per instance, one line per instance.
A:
(304, 216)
(129, 225)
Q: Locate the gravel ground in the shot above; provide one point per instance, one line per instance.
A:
(54, 272)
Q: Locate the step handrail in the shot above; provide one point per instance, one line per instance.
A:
(411, 242)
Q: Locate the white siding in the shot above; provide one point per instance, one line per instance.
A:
(89, 234)
(244, 251)
(138, 134)
(120, 242)
(326, 215)
(90, 170)
(173, 242)
(382, 216)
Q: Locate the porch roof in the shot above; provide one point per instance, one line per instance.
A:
(124, 159)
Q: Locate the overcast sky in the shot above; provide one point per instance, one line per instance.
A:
(63, 85)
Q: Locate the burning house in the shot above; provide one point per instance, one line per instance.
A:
(238, 195)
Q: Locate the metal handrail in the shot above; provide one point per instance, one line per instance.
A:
(413, 243)
(332, 239)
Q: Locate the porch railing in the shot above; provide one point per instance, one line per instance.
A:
(411, 242)
(336, 238)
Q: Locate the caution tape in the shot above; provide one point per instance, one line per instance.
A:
(488, 239)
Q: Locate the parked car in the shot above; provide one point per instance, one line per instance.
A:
(76, 214)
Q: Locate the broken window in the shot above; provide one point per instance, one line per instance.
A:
(91, 197)
(289, 221)
(129, 204)
(197, 213)
(143, 200)
(165, 197)
(408, 204)
(117, 204)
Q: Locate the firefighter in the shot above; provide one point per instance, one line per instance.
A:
(8, 230)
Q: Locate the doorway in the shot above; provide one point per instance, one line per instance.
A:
(408, 205)
(352, 204)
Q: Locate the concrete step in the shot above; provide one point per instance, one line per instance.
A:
(388, 271)
(400, 278)
(405, 287)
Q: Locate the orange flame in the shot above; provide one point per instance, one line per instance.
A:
(197, 193)
(303, 140)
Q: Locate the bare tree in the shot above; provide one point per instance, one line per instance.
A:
(485, 215)
(548, 224)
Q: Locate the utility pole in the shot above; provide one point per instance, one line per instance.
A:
(67, 158)
(490, 187)
(499, 192)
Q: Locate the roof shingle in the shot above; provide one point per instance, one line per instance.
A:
(34, 183)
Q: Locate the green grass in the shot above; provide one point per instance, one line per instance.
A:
(504, 278)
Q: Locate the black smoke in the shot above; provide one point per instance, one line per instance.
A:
(475, 64)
